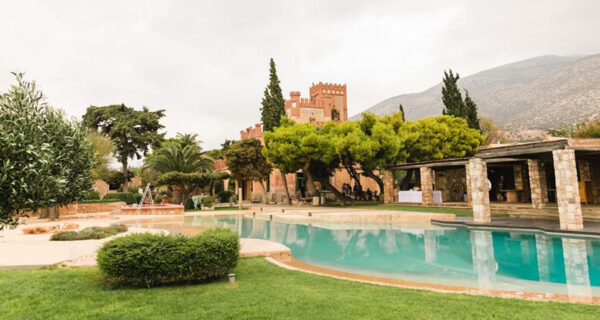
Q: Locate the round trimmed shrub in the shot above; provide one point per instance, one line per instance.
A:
(225, 196)
(207, 202)
(149, 260)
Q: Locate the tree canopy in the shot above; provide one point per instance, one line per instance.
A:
(133, 132)
(46, 159)
(272, 103)
(454, 104)
(247, 163)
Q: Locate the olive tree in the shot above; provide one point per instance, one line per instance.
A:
(45, 158)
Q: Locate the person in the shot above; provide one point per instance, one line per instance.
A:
(501, 191)
(369, 194)
(375, 195)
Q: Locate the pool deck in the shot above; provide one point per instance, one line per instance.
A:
(28, 251)
(590, 228)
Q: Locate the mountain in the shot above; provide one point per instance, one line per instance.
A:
(538, 93)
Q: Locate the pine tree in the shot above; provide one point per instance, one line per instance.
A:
(272, 103)
(401, 109)
(451, 96)
(471, 112)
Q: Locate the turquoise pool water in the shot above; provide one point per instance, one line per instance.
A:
(515, 261)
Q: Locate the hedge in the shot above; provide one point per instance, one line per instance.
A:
(100, 201)
(89, 233)
(151, 260)
(127, 197)
(92, 195)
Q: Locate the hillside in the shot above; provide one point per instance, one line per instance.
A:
(538, 93)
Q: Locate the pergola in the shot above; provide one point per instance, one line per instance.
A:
(575, 175)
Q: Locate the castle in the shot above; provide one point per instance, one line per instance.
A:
(328, 101)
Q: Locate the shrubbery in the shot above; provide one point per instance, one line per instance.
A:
(150, 260)
(100, 201)
(127, 197)
(225, 196)
(89, 233)
(92, 195)
(207, 202)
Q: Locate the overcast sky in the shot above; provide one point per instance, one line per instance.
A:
(206, 62)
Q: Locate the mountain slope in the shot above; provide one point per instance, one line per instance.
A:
(537, 93)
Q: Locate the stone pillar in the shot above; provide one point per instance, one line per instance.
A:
(388, 186)
(469, 192)
(484, 263)
(427, 185)
(537, 183)
(595, 171)
(577, 270)
(518, 172)
(567, 189)
(479, 190)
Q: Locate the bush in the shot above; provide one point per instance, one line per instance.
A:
(127, 197)
(150, 260)
(207, 202)
(100, 201)
(137, 197)
(158, 199)
(92, 195)
(225, 196)
(89, 233)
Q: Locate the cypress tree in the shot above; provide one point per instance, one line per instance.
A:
(401, 109)
(471, 112)
(451, 96)
(272, 103)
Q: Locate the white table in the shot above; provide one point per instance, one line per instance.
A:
(417, 196)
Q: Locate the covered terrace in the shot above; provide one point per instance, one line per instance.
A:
(558, 178)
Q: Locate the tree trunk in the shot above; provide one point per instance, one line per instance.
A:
(406, 181)
(177, 194)
(53, 213)
(125, 184)
(287, 198)
(310, 181)
(376, 178)
(263, 191)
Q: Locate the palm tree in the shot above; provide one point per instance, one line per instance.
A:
(182, 154)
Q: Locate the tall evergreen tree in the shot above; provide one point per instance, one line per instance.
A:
(451, 96)
(272, 103)
(401, 109)
(471, 112)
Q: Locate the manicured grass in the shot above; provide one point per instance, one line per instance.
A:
(399, 207)
(262, 291)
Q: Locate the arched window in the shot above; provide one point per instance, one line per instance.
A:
(335, 115)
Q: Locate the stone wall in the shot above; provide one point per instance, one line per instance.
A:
(388, 186)
(452, 183)
(595, 172)
(76, 208)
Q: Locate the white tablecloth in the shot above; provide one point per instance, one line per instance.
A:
(417, 196)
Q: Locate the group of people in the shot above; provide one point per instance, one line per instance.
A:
(357, 193)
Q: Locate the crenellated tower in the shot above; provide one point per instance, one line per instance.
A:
(328, 101)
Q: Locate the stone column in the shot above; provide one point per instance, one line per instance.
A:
(567, 189)
(226, 184)
(537, 183)
(468, 179)
(595, 171)
(577, 270)
(388, 186)
(427, 185)
(479, 190)
(518, 172)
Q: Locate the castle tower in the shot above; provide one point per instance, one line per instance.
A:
(327, 102)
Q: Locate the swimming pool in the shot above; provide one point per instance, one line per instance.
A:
(425, 253)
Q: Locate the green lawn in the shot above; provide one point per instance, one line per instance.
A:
(262, 291)
(399, 207)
